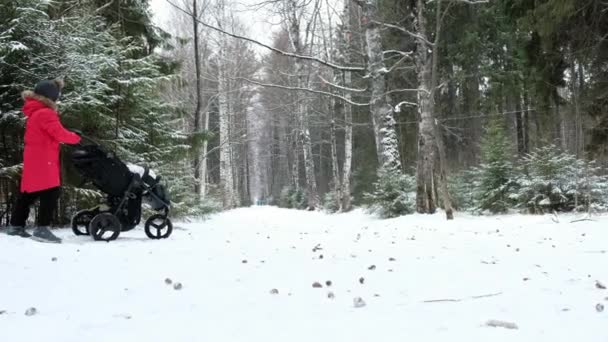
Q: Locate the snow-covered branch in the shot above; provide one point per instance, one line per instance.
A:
(403, 103)
(281, 52)
(398, 52)
(472, 2)
(269, 85)
(337, 86)
(402, 29)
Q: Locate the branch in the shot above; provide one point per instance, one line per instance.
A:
(402, 103)
(361, 3)
(354, 90)
(461, 299)
(472, 2)
(410, 33)
(269, 85)
(581, 220)
(104, 6)
(398, 62)
(402, 53)
(281, 52)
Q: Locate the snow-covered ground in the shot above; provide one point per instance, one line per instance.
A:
(421, 278)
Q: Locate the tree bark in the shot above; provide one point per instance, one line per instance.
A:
(387, 145)
(348, 115)
(337, 184)
(203, 175)
(226, 169)
(302, 108)
(430, 142)
(348, 148)
(198, 161)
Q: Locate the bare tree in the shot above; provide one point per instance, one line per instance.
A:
(292, 12)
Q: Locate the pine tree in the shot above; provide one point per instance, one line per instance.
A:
(113, 85)
(393, 194)
(494, 175)
(553, 180)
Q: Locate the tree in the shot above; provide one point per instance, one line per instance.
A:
(494, 177)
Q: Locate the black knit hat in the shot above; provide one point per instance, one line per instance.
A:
(50, 89)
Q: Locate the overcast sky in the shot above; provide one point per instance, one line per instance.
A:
(259, 27)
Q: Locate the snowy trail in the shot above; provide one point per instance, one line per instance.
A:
(541, 275)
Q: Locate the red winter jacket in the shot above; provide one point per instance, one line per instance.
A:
(43, 134)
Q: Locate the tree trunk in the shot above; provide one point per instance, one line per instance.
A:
(387, 145)
(226, 169)
(198, 162)
(295, 160)
(563, 125)
(519, 129)
(302, 110)
(348, 147)
(337, 184)
(348, 117)
(430, 140)
(203, 161)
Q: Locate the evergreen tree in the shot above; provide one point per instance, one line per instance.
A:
(114, 81)
(553, 180)
(493, 179)
(393, 194)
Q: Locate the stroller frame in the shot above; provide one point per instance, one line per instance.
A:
(114, 217)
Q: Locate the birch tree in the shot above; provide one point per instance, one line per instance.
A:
(387, 146)
(292, 12)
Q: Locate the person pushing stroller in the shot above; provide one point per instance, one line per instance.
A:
(41, 178)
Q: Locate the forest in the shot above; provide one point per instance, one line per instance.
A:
(397, 106)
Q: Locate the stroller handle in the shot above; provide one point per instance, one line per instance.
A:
(87, 138)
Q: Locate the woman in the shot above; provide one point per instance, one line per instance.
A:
(41, 170)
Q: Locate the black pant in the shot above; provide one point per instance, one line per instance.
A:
(48, 202)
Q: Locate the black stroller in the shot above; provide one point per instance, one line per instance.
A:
(125, 187)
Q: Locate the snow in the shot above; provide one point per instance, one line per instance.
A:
(539, 274)
(140, 170)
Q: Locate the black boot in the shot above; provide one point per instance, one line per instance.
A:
(43, 234)
(17, 231)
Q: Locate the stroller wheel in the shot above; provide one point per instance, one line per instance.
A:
(158, 227)
(105, 227)
(80, 222)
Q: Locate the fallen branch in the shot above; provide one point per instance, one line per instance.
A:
(441, 300)
(501, 324)
(487, 295)
(452, 300)
(581, 220)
